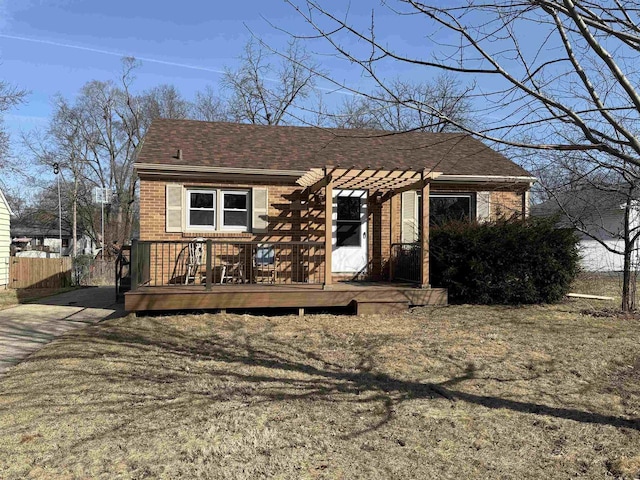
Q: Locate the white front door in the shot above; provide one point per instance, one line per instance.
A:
(349, 254)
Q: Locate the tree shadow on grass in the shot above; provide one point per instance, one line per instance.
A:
(159, 366)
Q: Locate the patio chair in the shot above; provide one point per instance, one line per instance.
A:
(195, 253)
(232, 272)
(265, 264)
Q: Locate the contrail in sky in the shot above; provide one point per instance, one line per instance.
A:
(144, 59)
(108, 52)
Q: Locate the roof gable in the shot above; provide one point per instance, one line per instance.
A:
(234, 145)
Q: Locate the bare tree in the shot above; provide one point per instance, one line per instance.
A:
(10, 96)
(209, 106)
(163, 101)
(263, 93)
(553, 75)
(356, 112)
(405, 105)
(93, 139)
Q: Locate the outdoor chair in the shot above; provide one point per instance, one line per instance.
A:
(232, 272)
(265, 264)
(195, 254)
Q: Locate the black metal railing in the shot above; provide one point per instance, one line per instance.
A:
(210, 262)
(406, 262)
(123, 271)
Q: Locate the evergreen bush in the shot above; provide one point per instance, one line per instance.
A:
(504, 262)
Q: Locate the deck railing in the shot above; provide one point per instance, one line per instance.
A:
(123, 271)
(211, 262)
(406, 261)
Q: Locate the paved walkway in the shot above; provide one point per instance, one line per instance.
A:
(27, 328)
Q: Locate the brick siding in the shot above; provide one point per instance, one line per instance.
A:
(288, 224)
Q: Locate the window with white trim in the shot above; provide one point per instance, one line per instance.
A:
(235, 210)
(213, 209)
(201, 209)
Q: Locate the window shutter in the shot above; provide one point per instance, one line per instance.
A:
(174, 214)
(260, 209)
(409, 217)
(483, 212)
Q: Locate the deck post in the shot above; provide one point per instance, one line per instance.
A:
(209, 279)
(133, 261)
(393, 201)
(424, 236)
(328, 230)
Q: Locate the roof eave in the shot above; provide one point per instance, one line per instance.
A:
(486, 179)
(171, 169)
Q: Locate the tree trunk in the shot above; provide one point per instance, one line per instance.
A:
(628, 296)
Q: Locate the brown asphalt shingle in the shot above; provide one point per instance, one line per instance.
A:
(301, 148)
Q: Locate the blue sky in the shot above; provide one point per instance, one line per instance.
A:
(55, 46)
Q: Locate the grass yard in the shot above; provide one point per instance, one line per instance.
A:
(450, 392)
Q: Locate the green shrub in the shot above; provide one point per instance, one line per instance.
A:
(505, 262)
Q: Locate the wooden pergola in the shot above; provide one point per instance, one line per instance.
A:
(389, 183)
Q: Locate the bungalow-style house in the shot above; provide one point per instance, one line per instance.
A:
(253, 216)
(5, 241)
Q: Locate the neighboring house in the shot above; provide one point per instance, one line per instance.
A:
(262, 197)
(598, 217)
(33, 238)
(5, 240)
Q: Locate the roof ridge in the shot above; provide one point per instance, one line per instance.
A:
(312, 127)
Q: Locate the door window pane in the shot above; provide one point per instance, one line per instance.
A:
(349, 208)
(348, 234)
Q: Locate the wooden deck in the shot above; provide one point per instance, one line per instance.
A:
(365, 297)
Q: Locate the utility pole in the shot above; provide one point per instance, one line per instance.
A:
(56, 171)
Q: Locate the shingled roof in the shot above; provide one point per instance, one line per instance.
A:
(217, 144)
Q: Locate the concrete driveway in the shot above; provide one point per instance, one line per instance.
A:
(27, 328)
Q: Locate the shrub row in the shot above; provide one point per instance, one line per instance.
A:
(505, 262)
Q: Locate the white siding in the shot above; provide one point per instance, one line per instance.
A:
(5, 242)
(596, 258)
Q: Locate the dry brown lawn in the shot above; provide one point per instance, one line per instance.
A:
(11, 297)
(450, 392)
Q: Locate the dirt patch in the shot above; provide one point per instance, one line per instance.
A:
(453, 392)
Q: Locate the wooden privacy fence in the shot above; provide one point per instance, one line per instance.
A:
(40, 272)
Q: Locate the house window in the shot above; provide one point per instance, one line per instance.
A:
(448, 208)
(216, 209)
(201, 209)
(235, 210)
